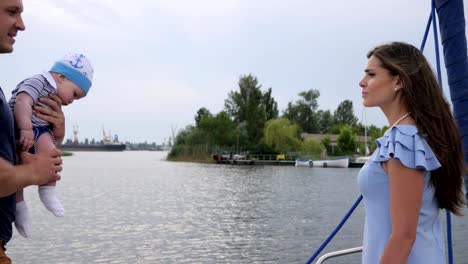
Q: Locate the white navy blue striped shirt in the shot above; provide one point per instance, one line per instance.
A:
(40, 85)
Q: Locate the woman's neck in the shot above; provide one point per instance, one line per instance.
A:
(397, 115)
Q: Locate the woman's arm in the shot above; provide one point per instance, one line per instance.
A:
(54, 115)
(406, 190)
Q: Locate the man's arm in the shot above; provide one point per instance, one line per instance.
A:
(54, 116)
(36, 169)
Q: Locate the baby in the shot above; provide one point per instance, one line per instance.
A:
(70, 78)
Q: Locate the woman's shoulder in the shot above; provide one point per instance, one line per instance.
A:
(406, 144)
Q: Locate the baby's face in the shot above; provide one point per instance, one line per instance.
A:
(68, 91)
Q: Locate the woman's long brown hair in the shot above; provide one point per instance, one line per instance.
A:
(425, 100)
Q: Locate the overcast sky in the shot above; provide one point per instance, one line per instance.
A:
(157, 62)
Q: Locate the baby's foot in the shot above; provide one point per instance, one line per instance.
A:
(48, 197)
(23, 219)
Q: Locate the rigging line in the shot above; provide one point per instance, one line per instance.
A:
(426, 32)
(439, 79)
(337, 228)
(436, 44)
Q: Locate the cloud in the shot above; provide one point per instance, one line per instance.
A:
(158, 61)
(73, 14)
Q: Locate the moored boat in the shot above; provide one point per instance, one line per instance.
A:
(342, 162)
(362, 159)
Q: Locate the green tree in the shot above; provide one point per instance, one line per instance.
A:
(344, 114)
(335, 129)
(271, 106)
(303, 111)
(359, 129)
(201, 113)
(346, 140)
(282, 135)
(190, 144)
(248, 106)
(325, 121)
(374, 133)
(326, 142)
(190, 136)
(312, 147)
(219, 130)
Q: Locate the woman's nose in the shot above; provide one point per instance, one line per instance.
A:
(362, 84)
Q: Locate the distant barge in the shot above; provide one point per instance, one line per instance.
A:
(107, 144)
(92, 147)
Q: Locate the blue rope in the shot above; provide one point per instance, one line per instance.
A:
(426, 32)
(449, 237)
(337, 228)
(439, 78)
(436, 44)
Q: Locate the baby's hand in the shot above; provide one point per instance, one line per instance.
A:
(26, 140)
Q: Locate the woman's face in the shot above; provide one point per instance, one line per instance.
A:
(378, 85)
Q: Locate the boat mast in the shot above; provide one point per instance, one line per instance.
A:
(453, 38)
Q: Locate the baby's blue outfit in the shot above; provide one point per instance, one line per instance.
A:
(412, 150)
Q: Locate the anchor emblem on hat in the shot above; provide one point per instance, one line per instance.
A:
(78, 61)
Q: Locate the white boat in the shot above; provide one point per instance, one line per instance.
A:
(342, 162)
(362, 159)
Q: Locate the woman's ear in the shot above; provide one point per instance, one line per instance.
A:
(398, 83)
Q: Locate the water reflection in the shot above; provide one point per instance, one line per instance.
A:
(133, 207)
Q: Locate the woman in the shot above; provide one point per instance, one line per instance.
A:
(417, 167)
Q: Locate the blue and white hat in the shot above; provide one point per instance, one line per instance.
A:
(77, 68)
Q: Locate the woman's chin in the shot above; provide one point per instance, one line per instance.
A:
(368, 103)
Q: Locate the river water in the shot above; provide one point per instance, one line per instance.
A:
(135, 207)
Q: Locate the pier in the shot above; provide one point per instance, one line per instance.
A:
(261, 159)
(254, 159)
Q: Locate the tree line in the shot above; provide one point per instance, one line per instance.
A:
(251, 123)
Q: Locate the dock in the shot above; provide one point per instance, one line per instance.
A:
(278, 160)
(257, 162)
(254, 159)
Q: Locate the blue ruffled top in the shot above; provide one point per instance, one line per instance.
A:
(404, 143)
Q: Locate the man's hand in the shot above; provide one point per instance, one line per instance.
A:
(44, 166)
(54, 115)
(26, 140)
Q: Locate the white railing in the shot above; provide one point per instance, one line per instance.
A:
(338, 253)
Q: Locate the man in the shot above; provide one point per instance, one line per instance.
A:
(37, 169)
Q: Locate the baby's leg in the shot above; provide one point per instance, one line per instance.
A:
(47, 192)
(22, 217)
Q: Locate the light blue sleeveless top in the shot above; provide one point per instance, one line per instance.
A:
(413, 151)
